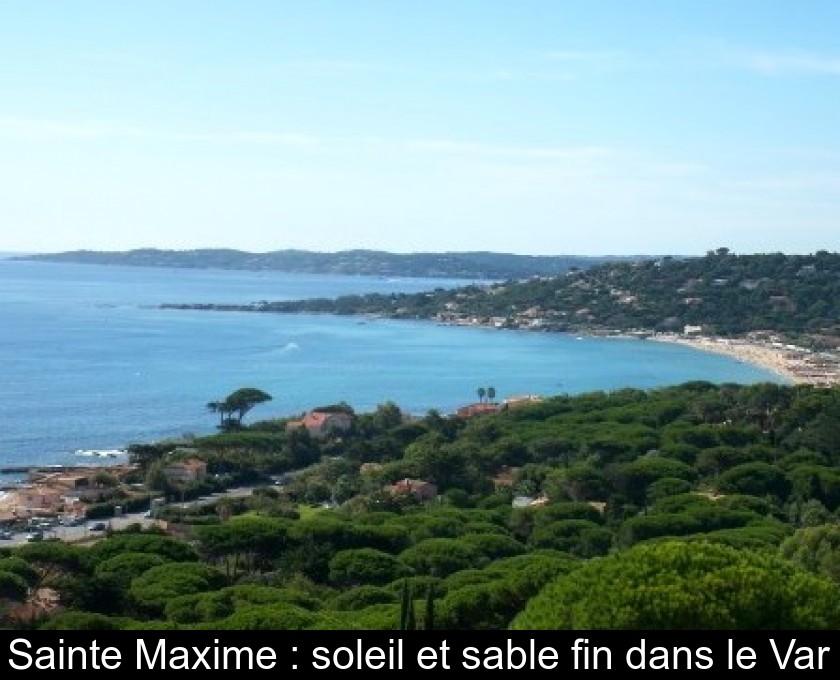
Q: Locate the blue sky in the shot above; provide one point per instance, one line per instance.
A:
(585, 127)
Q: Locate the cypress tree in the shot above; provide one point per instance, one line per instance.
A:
(429, 618)
(405, 606)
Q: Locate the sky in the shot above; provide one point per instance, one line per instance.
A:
(538, 127)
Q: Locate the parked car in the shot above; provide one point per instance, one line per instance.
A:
(97, 526)
(5, 535)
(33, 536)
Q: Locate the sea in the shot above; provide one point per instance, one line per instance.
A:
(90, 364)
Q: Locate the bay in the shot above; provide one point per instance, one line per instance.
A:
(88, 362)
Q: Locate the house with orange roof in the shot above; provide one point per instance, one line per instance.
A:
(323, 423)
(473, 410)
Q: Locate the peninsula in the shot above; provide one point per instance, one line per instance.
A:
(457, 265)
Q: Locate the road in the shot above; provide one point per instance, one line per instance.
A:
(84, 531)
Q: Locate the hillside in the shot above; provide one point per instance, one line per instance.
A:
(721, 293)
(463, 265)
(552, 514)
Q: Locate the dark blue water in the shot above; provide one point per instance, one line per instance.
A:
(87, 361)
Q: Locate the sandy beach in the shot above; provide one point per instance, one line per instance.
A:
(793, 364)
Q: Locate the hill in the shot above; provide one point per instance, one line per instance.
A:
(721, 293)
(463, 265)
(691, 507)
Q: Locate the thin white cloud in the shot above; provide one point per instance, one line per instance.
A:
(331, 67)
(450, 146)
(557, 65)
(590, 56)
(551, 66)
(792, 63)
(807, 152)
(678, 169)
(514, 74)
(33, 128)
(256, 137)
(122, 61)
(282, 138)
(796, 182)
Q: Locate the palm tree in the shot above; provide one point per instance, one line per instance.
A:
(481, 392)
(491, 393)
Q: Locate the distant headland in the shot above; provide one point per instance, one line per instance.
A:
(478, 265)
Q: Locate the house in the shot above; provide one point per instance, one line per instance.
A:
(529, 502)
(185, 471)
(477, 409)
(521, 400)
(370, 468)
(63, 489)
(89, 494)
(39, 498)
(323, 423)
(421, 489)
(505, 478)
(521, 501)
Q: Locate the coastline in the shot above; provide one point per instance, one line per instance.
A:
(795, 365)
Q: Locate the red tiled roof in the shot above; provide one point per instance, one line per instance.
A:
(315, 419)
(477, 409)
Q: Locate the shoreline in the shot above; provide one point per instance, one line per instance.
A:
(793, 364)
(796, 365)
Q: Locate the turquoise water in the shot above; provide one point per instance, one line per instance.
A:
(90, 363)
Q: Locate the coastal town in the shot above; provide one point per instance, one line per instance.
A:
(766, 349)
(58, 497)
(50, 498)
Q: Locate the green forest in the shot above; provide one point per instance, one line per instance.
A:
(696, 506)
